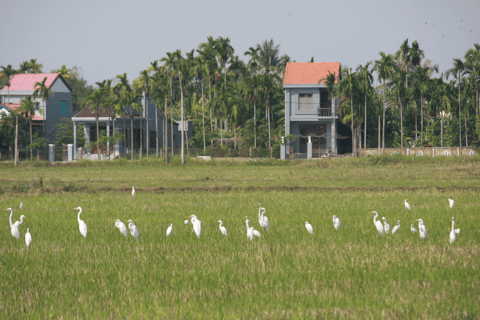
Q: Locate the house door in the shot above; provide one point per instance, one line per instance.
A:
(319, 138)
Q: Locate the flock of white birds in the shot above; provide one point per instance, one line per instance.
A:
(263, 220)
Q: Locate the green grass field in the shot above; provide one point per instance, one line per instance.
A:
(286, 274)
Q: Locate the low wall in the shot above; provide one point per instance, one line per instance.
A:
(432, 152)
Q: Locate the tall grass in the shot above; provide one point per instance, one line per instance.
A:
(287, 273)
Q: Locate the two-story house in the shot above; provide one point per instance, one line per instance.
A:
(49, 112)
(309, 111)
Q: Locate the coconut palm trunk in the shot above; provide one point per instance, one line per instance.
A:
(203, 121)
(384, 107)
(165, 126)
(156, 128)
(421, 120)
(255, 122)
(459, 112)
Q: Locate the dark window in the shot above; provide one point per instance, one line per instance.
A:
(152, 139)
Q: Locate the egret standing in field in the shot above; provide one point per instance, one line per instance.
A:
(451, 203)
(250, 235)
(28, 238)
(422, 229)
(169, 230)
(81, 225)
(133, 230)
(407, 205)
(21, 205)
(395, 229)
(413, 229)
(223, 230)
(386, 225)
(133, 190)
(14, 227)
(263, 220)
(309, 227)
(453, 234)
(378, 224)
(121, 226)
(336, 222)
(197, 225)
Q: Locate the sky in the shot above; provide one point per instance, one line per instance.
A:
(107, 38)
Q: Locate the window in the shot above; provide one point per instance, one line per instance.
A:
(152, 139)
(305, 101)
(63, 105)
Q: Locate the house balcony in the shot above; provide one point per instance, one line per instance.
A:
(322, 110)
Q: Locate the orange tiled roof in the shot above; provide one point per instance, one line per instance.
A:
(309, 72)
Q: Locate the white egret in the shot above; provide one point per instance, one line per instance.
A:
(81, 225)
(28, 238)
(336, 222)
(133, 190)
(413, 229)
(453, 234)
(169, 230)
(133, 230)
(14, 227)
(250, 235)
(223, 230)
(407, 205)
(21, 205)
(378, 224)
(451, 203)
(422, 229)
(185, 221)
(263, 220)
(121, 226)
(309, 227)
(197, 225)
(386, 225)
(395, 229)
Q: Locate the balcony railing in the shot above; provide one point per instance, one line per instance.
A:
(318, 109)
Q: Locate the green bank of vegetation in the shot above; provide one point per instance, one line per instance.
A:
(228, 97)
(286, 273)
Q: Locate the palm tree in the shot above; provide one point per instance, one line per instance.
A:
(131, 98)
(200, 70)
(254, 57)
(282, 65)
(367, 78)
(27, 108)
(472, 57)
(64, 71)
(458, 70)
(169, 64)
(146, 82)
(385, 67)
(178, 63)
(95, 100)
(43, 92)
(331, 84)
(423, 82)
(121, 87)
(268, 54)
(34, 66)
(24, 67)
(224, 52)
(251, 91)
(206, 50)
(8, 72)
(348, 86)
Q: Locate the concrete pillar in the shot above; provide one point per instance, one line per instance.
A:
(282, 149)
(433, 152)
(309, 148)
(74, 137)
(51, 152)
(70, 152)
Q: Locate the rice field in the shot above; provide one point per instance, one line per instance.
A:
(287, 273)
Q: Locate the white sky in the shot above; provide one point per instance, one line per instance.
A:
(107, 38)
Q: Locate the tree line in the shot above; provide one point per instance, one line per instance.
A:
(242, 102)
